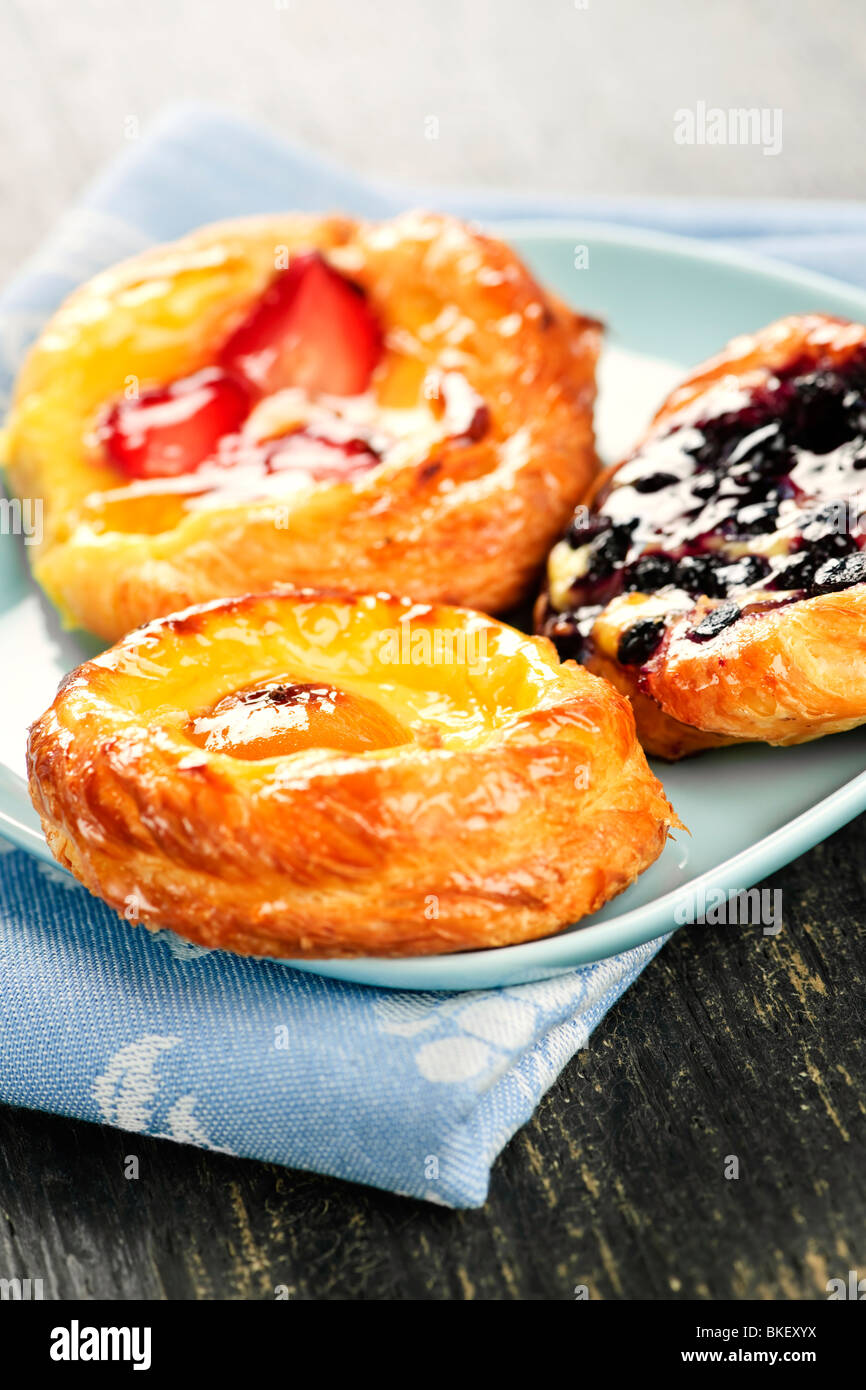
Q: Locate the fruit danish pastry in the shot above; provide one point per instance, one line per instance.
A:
(720, 579)
(307, 400)
(312, 774)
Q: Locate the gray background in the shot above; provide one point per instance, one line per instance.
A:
(540, 97)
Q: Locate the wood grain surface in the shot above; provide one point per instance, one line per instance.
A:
(731, 1043)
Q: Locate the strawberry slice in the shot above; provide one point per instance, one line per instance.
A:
(172, 429)
(312, 328)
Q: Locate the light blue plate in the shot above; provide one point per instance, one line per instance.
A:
(668, 303)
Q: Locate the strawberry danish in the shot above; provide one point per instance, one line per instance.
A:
(396, 406)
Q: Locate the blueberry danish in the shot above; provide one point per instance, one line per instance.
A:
(720, 577)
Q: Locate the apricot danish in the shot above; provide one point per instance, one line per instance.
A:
(308, 400)
(309, 774)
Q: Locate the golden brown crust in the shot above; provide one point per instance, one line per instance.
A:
(449, 522)
(521, 802)
(660, 734)
(784, 674)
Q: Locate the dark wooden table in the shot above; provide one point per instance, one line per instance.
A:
(731, 1043)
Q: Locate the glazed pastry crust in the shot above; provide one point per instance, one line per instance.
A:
(785, 676)
(456, 522)
(782, 676)
(524, 807)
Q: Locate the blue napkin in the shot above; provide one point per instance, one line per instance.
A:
(415, 1093)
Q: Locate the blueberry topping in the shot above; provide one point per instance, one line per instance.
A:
(654, 482)
(831, 544)
(822, 412)
(697, 575)
(800, 571)
(704, 485)
(609, 550)
(830, 547)
(742, 574)
(708, 454)
(797, 573)
(841, 573)
(757, 519)
(715, 622)
(705, 488)
(638, 642)
(763, 452)
(650, 573)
